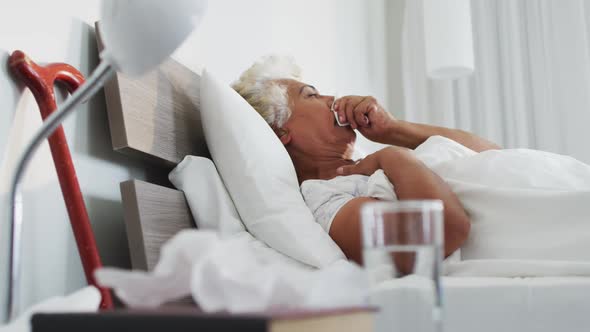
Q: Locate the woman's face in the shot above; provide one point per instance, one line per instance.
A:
(312, 123)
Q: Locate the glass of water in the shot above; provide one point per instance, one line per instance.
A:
(402, 254)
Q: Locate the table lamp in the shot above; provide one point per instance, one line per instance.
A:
(137, 35)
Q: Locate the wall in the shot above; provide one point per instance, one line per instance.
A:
(343, 46)
(339, 43)
(58, 31)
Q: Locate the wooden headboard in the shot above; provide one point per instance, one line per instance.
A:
(155, 118)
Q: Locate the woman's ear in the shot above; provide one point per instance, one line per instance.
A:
(284, 135)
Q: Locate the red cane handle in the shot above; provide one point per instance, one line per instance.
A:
(40, 80)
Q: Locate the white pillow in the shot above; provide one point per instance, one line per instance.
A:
(260, 177)
(205, 193)
(213, 209)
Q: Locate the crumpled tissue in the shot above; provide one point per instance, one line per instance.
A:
(230, 274)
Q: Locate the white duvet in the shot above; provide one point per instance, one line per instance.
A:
(530, 210)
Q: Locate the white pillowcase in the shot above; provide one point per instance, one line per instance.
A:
(213, 209)
(260, 177)
(207, 198)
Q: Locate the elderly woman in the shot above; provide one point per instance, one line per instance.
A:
(322, 151)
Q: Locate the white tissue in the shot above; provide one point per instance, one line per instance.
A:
(230, 274)
(85, 300)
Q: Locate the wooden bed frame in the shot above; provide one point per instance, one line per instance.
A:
(155, 118)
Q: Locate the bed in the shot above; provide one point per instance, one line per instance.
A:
(156, 119)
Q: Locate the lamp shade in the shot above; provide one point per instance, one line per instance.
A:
(140, 34)
(448, 38)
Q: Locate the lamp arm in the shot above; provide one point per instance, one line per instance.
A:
(96, 80)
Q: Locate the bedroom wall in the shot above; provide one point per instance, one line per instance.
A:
(58, 31)
(339, 43)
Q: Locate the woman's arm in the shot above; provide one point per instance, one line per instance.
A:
(411, 180)
(410, 135)
(346, 228)
(375, 123)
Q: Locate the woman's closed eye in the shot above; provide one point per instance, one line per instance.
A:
(309, 91)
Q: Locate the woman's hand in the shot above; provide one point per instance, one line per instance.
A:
(372, 162)
(365, 114)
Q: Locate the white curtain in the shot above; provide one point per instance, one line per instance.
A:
(531, 86)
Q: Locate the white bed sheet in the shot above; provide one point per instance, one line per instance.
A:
(489, 304)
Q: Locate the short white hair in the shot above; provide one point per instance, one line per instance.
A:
(261, 88)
